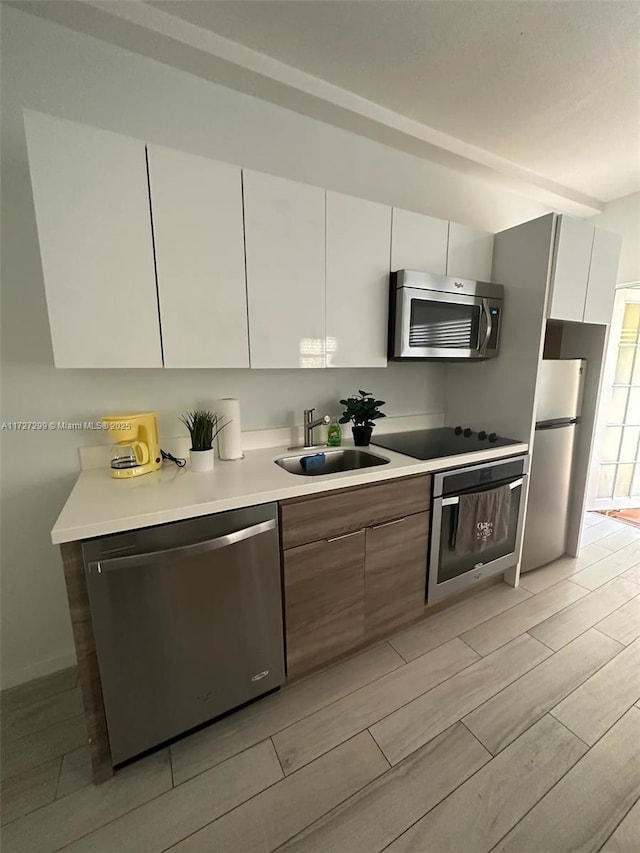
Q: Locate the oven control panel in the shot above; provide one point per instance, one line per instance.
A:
(479, 476)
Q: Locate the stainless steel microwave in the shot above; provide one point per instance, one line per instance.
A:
(436, 316)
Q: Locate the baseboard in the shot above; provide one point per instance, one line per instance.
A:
(13, 677)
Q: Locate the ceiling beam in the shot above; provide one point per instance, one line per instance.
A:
(155, 33)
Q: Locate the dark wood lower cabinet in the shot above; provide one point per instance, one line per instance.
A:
(341, 592)
(88, 672)
(310, 519)
(355, 567)
(395, 573)
(324, 600)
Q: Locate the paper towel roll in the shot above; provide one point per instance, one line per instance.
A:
(230, 438)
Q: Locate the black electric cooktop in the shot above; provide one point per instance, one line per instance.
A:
(447, 441)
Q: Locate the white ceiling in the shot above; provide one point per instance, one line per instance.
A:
(551, 86)
(542, 92)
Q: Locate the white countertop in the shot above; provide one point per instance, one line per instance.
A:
(100, 504)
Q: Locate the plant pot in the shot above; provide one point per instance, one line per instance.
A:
(201, 460)
(361, 435)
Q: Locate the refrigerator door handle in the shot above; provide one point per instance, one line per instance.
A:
(557, 423)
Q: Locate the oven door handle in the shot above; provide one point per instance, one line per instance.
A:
(453, 527)
(456, 500)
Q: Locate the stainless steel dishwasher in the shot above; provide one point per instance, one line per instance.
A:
(187, 620)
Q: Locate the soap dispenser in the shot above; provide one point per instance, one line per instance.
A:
(334, 433)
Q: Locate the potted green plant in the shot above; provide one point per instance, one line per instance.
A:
(363, 411)
(203, 427)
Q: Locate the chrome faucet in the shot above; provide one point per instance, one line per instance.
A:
(310, 424)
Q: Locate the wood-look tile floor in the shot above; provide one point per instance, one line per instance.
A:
(510, 722)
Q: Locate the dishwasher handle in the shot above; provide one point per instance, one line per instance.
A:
(138, 560)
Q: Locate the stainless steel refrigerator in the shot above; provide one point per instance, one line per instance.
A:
(558, 406)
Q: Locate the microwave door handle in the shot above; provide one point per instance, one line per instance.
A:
(488, 325)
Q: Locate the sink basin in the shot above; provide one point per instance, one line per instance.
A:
(337, 460)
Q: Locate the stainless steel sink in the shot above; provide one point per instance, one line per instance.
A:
(343, 459)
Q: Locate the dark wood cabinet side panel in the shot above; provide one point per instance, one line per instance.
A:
(334, 513)
(88, 672)
(395, 573)
(324, 601)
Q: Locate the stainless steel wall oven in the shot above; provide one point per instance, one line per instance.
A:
(462, 549)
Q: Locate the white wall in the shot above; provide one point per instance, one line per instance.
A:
(54, 70)
(623, 217)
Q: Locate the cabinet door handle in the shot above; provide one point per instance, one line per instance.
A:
(386, 523)
(344, 536)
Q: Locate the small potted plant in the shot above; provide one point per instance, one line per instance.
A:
(363, 411)
(203, 427)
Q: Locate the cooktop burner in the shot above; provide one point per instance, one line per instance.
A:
(447, 441)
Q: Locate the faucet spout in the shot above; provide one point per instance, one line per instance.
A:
(323, 420)
(310, 423)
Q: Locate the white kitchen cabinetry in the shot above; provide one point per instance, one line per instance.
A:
(285, 251)
(197, 224)
(358, 235)
(584, 272)
(574, 238)
(603, 271)
(418, 242)
(470, 253)
(91, 202)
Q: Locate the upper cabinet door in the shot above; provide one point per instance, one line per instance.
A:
(418, 242)
(285, 246)
(470, 253)
(574, 238)
(91, 200)
(603, 271)
(358, 246)
(199, 242)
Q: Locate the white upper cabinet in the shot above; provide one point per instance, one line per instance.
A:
(285, 249)
(603, 271)
(91, 202)
(418, 242)
(357, 281)
(574, 238)
(197, 224)
(470, 253)
(584, 272)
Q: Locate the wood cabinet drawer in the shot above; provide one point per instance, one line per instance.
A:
(324, 601)
(344, 510)
(395, 573)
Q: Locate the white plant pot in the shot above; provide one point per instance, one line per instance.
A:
(201, 460)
